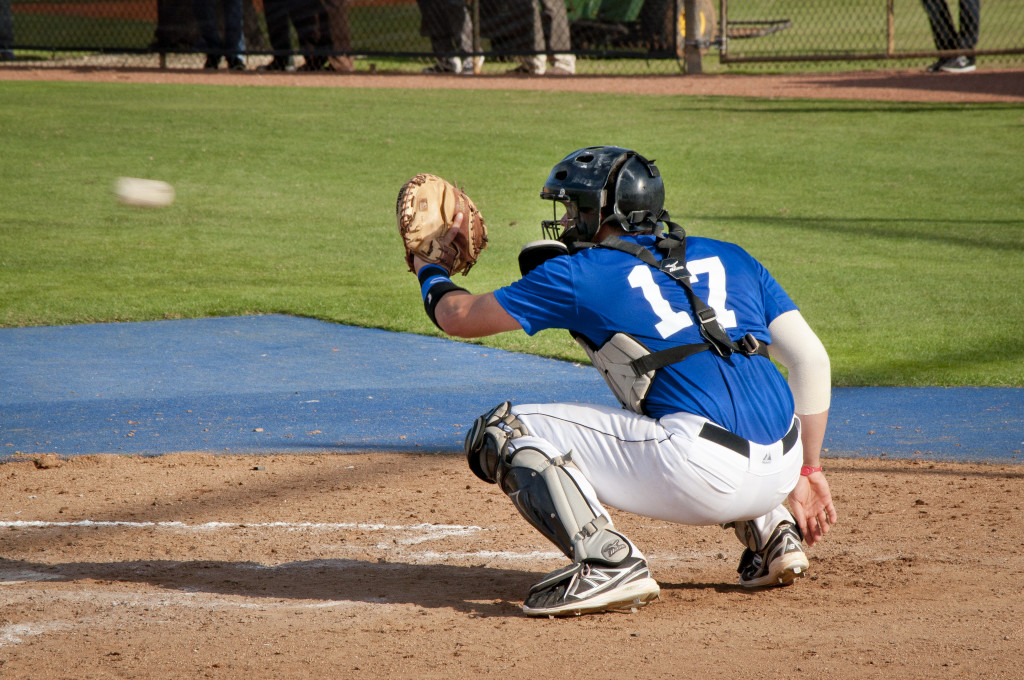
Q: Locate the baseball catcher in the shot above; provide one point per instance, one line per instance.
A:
(683, 330)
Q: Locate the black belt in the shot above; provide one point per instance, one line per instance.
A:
(734, 442)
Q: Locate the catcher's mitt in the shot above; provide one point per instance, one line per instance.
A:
(427, 205)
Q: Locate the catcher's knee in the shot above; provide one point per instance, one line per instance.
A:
(546, 494)
(488, 439)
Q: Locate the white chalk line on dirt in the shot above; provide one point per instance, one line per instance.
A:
(111, 608)
(415, 533)
(16, 633)
(420, 533)
(35, 524)
(188, 598)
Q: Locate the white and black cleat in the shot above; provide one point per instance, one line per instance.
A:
(780, 563)
(590, 587)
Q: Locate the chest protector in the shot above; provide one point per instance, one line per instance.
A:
(627, 366)
(614, 360)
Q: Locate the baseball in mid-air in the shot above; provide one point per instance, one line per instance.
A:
(145, 193)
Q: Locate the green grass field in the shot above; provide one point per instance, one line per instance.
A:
(897, 228)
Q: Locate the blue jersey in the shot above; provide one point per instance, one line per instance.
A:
(598, 292)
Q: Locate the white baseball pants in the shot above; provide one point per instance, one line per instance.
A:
(664, 468)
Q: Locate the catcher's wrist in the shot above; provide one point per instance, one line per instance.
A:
(808, 470)
(429, 271)
(434, 285)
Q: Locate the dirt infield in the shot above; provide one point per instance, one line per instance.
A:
(407, 566)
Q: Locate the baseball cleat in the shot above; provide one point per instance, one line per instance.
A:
(588, 587)
(780, 563)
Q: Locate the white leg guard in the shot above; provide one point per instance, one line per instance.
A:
(754, 533)
(546, 491)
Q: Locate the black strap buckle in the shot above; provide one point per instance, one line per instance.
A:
(749, 344)
(671, 240)
(706, 316)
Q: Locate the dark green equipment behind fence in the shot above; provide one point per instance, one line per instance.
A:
(608, 36)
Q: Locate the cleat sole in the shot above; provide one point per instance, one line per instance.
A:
(790, 568)
(626, 599)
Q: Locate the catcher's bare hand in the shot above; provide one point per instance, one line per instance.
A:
(811, 503)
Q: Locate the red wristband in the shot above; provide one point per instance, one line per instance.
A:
(807, 470)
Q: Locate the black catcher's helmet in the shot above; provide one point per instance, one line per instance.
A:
(601, 184)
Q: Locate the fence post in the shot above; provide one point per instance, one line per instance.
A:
(890, 26)
(691, 41)
(477, 47)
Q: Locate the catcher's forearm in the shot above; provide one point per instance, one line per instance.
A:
(435, 284)
(464, 315)
(474, 316)
(812, 435)
(456, 311)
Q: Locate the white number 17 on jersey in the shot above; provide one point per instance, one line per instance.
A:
(672, 321)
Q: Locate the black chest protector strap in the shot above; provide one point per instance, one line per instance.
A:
(673, 263)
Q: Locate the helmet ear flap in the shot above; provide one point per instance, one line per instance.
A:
(639, 194)
(611, 187)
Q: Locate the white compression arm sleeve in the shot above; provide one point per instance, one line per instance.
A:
(795, 346)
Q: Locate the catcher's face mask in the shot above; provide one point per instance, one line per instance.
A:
(562, 226)
(575, 224)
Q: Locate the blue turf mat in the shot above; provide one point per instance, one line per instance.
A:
(284, 384)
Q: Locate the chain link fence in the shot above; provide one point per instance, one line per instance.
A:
(495, 36)
(876, 30)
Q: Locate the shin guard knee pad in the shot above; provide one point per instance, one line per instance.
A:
(486, 442)
(548, 497)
